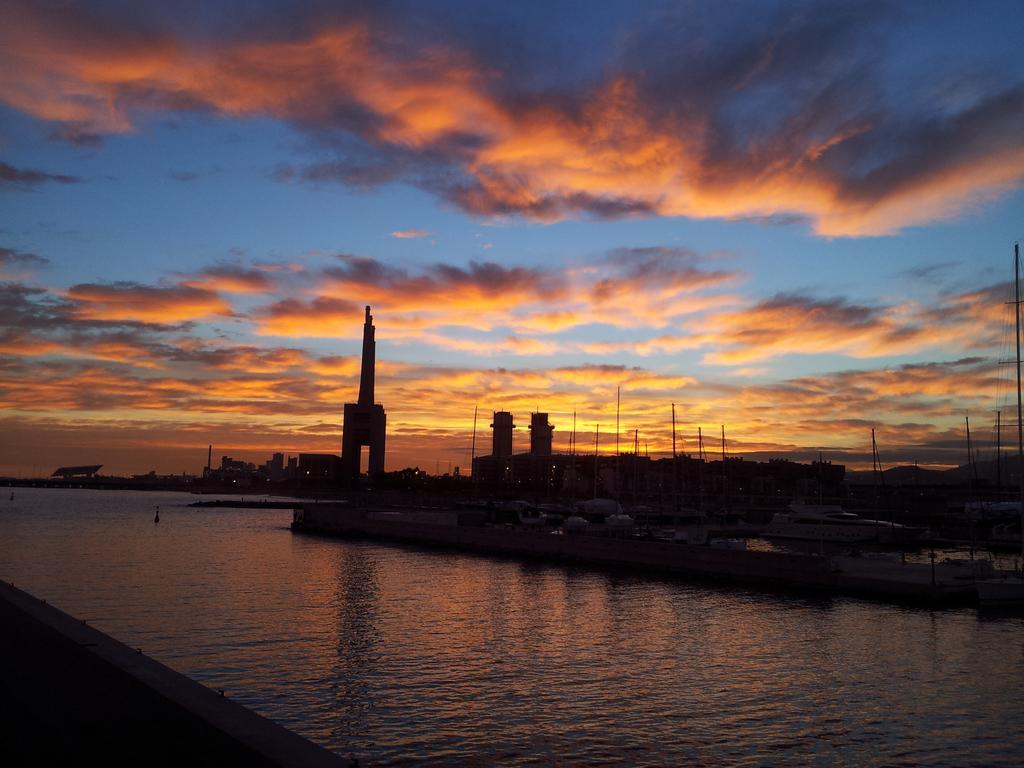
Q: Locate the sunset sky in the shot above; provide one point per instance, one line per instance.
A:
(793, 219)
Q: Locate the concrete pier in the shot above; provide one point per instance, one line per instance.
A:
(857, 576)
(71, 695)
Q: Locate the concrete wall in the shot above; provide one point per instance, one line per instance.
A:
(71, 695)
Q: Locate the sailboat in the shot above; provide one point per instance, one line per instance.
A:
(1008, 589)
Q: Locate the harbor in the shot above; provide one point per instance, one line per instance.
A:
(396, 653)
(938, 583)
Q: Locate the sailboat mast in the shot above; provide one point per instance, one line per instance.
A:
(675, 463)
(472, 449)
(875, 467)
(1020, 425)
(725, 478)
(636, 462)
(971, 463)
(700, 469)
(597, 436)
(572, 460)
(821, 498)
(618, 401)
(572, 443)
(999, 457)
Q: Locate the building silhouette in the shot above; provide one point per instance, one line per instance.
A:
(540, 434)
(664, 483)
(501, 437)
(365, 421)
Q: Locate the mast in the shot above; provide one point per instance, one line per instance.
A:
(618, 399)
(972, 464)
(1020, 425)
(572, 460)
(597, 435)
(725, 478)
(700, 469)
(999, 457)
(874, 467)
(636, 455)
(821, 499)
(472, 449)
(675, 463)
(876, 470)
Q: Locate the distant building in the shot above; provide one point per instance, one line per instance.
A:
(230, 466)
(321, 466)
(273, 470)
(365, 422)
(664, 482)
(69, 472)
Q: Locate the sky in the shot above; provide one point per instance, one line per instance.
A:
(793, 219)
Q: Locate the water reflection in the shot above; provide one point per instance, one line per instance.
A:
(356, 662)
(403, 656)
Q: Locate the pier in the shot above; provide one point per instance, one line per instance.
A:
(945, 583)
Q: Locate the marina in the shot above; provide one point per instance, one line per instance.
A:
(398, 654)
(945, 582)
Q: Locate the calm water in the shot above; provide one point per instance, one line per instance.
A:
(405, 657)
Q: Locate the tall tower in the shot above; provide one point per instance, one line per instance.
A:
(367, 373)
(540, 434)
(365, 422)
(502, 437)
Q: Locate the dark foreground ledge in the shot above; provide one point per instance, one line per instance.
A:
(71, 695)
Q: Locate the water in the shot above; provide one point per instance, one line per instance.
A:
(406, 657)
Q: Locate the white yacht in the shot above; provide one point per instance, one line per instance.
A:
(830, 522)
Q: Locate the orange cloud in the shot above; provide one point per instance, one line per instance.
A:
(442, 287)
(321, 317)
(127, 301)
(509, 345)
(629, 288)
(625, 144)
(916, 408)
(232, 279)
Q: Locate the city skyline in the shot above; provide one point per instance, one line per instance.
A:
(796, 220)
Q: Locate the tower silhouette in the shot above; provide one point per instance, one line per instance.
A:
(365, 421)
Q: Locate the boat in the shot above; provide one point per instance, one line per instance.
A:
(619, 522)
(830, 522)
(1007, 588)
(737, 545)
(575, 524)
(691, 534)
(983, 510)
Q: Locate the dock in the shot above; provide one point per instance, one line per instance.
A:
(243, 504)
(943, 583)
(70, 694)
